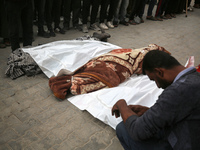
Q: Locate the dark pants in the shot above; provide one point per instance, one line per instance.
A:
(162, 6)
(197, 1)
(40, 7)
(103, 11)
(73, 6)
(152, 3)
(52, 12)
(128, 143)
(95, 9)
(112, 9)
(20, 13)
(4, 30)
(137, 8)
(86, 10)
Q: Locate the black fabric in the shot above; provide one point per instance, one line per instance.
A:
(86, 10)
(74, 7)
(40, 8)
(52, 12)
(20, 13)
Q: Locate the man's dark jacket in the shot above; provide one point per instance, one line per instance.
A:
(177, 111)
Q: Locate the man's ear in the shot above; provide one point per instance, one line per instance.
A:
(159, 72)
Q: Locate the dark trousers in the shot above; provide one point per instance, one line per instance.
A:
(20, 13)
(52, 12)
(112, 9)
(156, 143)
(4, 30)
(197, 1)
(95, 9)
(137, 8)
(152, 3)
(86, 10)
(162, 6)
(73, 6)
(40, 7)
(103, 11)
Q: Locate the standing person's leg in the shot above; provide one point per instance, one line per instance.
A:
(159, 10)
(112, 9)
(40, 7)
(152, 3)
(156, 143)
(76, 8)
(66, 14)
(56, 11)
(196, 4)
(141, 10)
(14, 18)
(94, 12)
(48, 13)
(116, 13)
(123, 12)
(133, 12)
(27, 22)
(103, 14)
(86, 13)
(4, 29)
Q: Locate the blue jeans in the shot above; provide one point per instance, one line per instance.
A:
(129, 144)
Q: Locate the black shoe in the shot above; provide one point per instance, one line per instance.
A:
(52, 34)
(101, 36)
(44, 34)
(59, 30)
(77, 27)
(124, 23)
(115, 23)
(66, 28)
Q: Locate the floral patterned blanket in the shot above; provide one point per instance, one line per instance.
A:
(105, 71)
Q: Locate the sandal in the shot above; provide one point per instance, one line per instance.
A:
(151, 18)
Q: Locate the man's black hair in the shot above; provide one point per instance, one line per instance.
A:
(158, 59)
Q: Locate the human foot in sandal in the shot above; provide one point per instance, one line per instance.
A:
(151, 18)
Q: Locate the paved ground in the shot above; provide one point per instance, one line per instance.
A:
(32, 119)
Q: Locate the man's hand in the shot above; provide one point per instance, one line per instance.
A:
(115, 109)
(122, 108)
(138, 109)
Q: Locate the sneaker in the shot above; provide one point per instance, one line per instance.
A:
(190, 8)
(44, 34)
(84, 28)
(103, 26)
(110, 25)
(59, 30)
(95, 27)
(124, 23)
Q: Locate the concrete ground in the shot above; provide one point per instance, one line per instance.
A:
(31, 118)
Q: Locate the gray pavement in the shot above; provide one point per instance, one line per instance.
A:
(31, 118)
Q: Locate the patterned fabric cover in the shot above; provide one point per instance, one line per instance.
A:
(105, 71)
